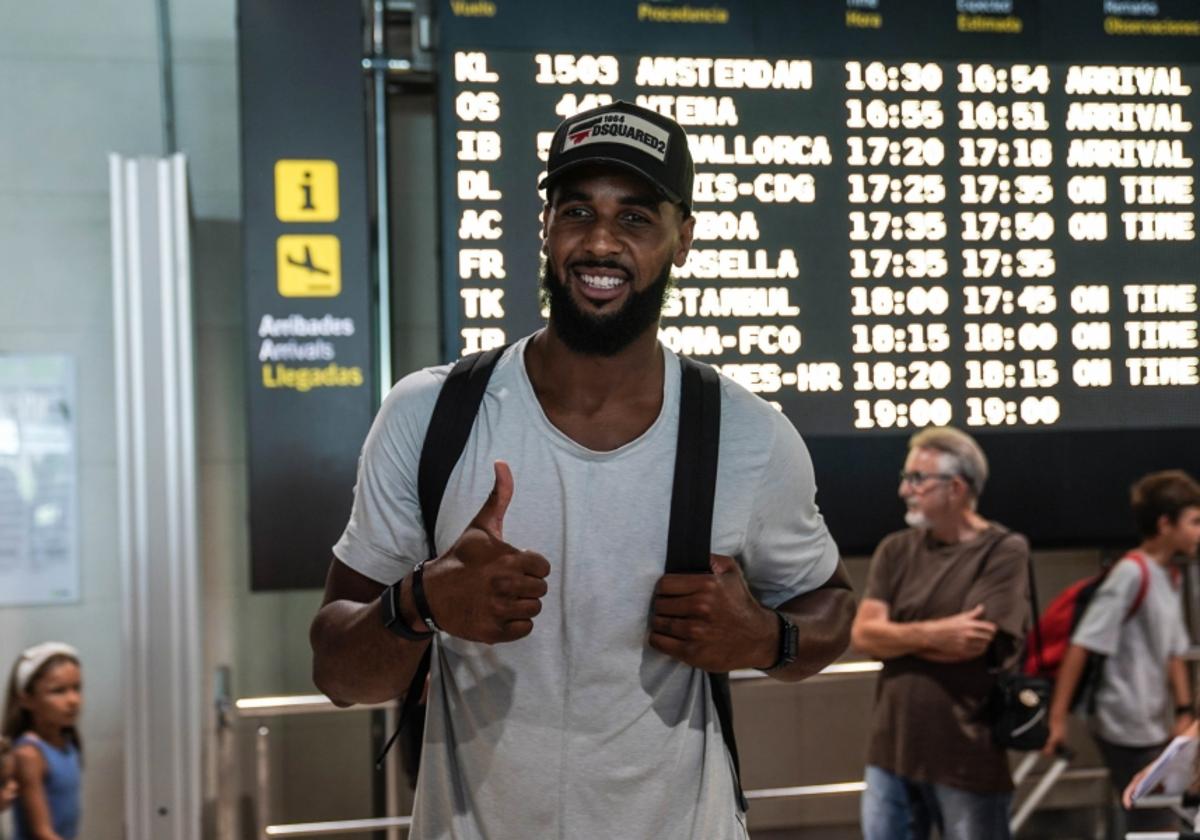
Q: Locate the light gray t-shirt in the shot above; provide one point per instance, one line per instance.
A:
(1133, 699)
(581, 730)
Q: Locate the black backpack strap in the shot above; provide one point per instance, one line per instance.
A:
(1034, 630)
(724, 703)
(449, 427)
(690, 533)
(695, 469)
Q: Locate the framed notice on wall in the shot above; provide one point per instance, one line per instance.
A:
(39, 517)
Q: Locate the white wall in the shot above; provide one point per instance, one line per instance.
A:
(79, 80)
(75, 82)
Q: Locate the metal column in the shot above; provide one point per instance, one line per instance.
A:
(157, 487)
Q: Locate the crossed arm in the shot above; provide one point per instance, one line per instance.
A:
(956, 638)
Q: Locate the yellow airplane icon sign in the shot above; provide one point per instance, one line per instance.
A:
(308, 265)
(306, 190)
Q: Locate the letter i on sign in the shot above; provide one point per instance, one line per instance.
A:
(306, 190)
(306, 187)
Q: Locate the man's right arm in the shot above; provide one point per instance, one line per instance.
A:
(482, 589)
(1098, 632)
(956, 638)
(1066, 681)
(356, 659)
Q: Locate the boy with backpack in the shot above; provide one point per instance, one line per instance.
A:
(1135, 622)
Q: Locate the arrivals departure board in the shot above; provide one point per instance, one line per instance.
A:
(978, 213)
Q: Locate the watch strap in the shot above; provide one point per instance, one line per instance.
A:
(394, 621)
(788, 643)
(418, 588)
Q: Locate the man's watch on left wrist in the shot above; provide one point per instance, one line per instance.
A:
(1184, 709)
(789, 643)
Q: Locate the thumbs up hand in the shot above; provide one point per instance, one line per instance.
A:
(484, 589)
(713, 622)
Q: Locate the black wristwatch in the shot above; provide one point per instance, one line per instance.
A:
(394, 621)
(789, 643)
(418, 588)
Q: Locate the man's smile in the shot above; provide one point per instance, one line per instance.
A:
(600, 284)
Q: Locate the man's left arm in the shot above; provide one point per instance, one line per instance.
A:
(713, 622)
(823, 618)
(1002, 588)
(787, 565)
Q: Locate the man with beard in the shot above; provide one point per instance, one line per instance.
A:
(568, 696)
(946, 602)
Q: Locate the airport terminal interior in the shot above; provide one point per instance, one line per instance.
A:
(230, 226)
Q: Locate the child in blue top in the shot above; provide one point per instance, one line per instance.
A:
(41, 717)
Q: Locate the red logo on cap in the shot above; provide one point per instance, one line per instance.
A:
(579, 136)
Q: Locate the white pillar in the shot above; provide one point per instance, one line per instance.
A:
(157, 485)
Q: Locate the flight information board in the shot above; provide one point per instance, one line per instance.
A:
(978, 213)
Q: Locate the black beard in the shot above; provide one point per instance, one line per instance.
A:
(609, 333)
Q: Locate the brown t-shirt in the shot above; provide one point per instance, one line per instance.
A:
(930, 723)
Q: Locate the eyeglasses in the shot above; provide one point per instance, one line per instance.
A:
(917, 478)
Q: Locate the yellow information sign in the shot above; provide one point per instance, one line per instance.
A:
(309, 265)
(306, 190)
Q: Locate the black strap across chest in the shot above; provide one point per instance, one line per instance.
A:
(692, 495)
(689, 536)
(449, 428)
(1034, 631)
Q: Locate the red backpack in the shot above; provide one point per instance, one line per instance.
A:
(1058, 622)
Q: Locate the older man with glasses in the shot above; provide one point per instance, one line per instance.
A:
(946, 600)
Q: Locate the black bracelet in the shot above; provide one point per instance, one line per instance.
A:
(418, 588)
(1184, 709)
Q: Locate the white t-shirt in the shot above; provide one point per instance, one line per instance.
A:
(1133, 700)
(581, 730)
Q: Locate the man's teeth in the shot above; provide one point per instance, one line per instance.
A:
(601, 281)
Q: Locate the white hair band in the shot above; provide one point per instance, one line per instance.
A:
(35, 657)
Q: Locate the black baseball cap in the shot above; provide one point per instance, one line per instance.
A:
(629, 136)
